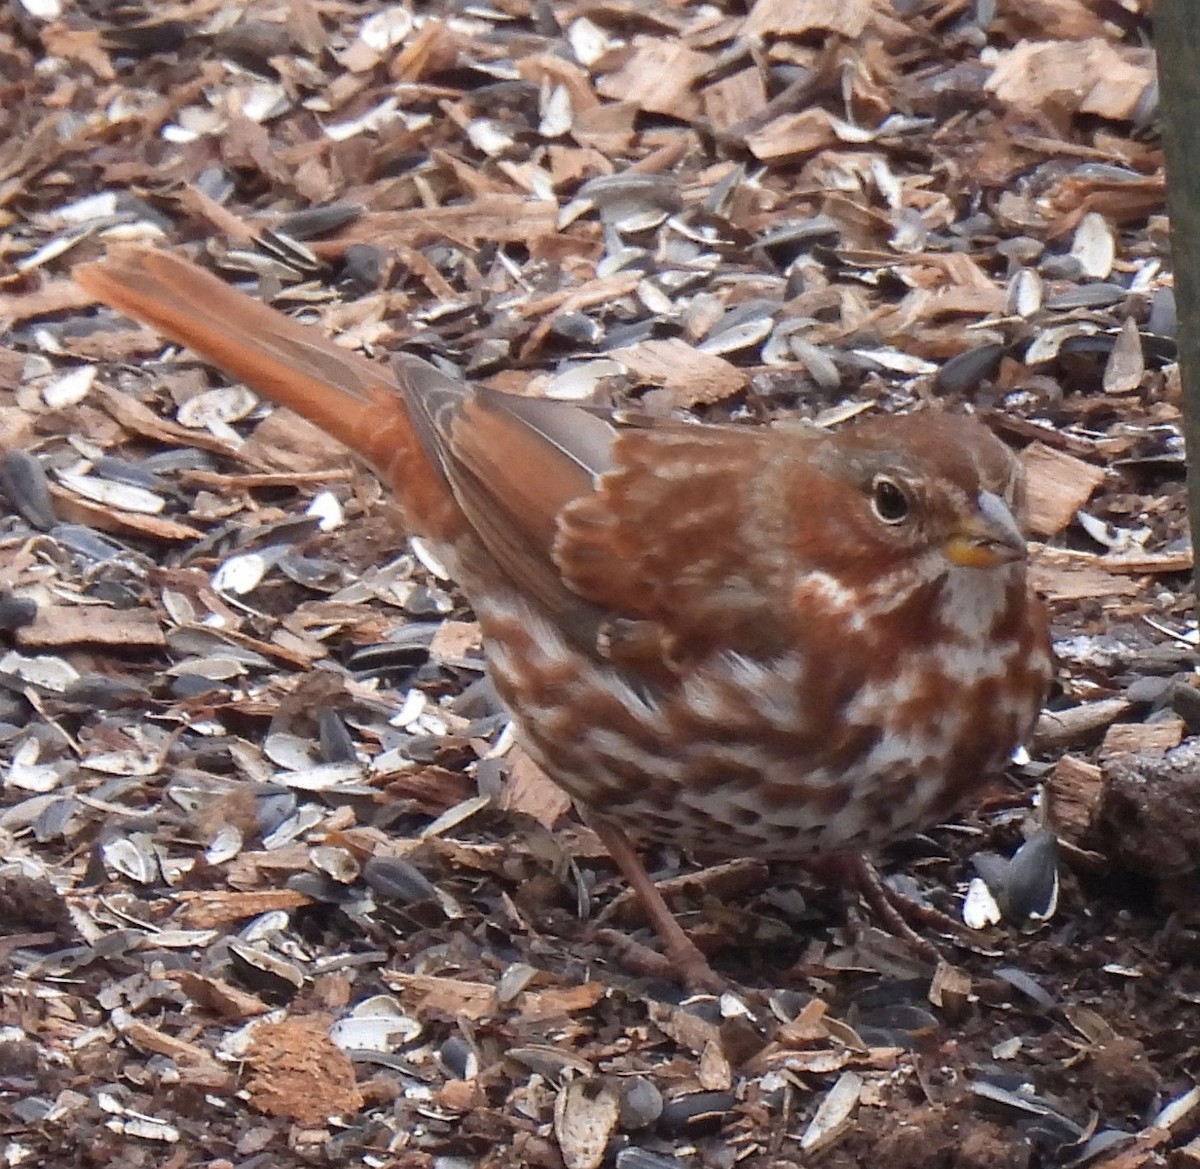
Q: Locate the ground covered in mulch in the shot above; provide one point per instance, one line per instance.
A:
(277, 886)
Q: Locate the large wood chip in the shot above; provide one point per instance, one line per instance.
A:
(140, 419)
(221, 998)
(503, 218)
(299, 1072)
(658, 77)
(527, 790)
(689, 1030)
(690, 377)
(1057, 485)
(456, 642)
(735, 98)
(55, 296)
(77, 510)
(202, 910)
(1090, 77)
(1065, 19)
(1139, 738)
(116, 344)
(293, 445)
(808, 1028)
(1075, 790)
(1061, 728)
(608, 128)
(78, 44)
(1065, 579)
(789, 18)
(17, 427)
(557, 1002)
(199, 1061)
(1138, 563)
(793, 134)
(299, 659)
(447, 997)
(558, 71)
(57, 625)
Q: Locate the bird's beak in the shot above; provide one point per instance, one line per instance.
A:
(988, 537)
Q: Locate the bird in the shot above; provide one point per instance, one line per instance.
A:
(772, 641)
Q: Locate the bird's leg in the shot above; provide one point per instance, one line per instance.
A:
(687, 963)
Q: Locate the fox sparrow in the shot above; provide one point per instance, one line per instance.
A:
(749, 641)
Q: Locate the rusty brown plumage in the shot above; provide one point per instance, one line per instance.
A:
(770, 641)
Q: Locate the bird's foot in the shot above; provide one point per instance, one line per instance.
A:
(898, 914)
(684, 964)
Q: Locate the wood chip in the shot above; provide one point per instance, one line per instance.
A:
(659, 77)
(1066, 727)
(527, 790)
(793, 18)
(689, 376)
(76, 509)
(1091, 76)
(220, 997)
(1137, 738)
(57, 625)
(1057, 485)
(1061, 576)
(201, 910)
(299, 1073)
(792, 135)
(1075, 790)
(504, 218)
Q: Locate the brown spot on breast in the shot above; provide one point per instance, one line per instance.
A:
(849, 744)
(743, 817)
(709, 772)
(826, 799)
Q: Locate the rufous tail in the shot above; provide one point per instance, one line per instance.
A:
(293, 364)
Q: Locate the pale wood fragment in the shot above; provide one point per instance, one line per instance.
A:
(783, 18)
(1075, 790)
(690, 376)
(1064, 727)
(802, 133)
(734, 98)
(659, 77)
(1092, 76)
(57, 625)
(1138, 738)
(1057, 485)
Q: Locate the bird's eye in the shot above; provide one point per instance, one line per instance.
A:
(889, 501)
